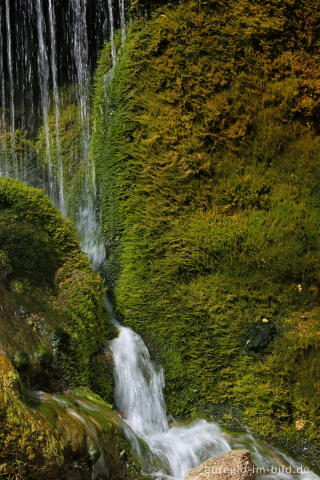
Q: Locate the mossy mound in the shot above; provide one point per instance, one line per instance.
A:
(53, 331)
(28, 442)
(47, 286)
(207, 142)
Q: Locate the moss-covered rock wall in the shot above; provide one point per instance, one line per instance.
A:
(206, 138)
(56, 299)
(53, 334)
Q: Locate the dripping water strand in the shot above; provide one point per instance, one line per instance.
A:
(111, 21)
(3, 107)
(43, 69)
(54, 71)
(3, 97)
(10, 71)
(122, 20)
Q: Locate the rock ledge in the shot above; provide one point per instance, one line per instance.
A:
(233, 465)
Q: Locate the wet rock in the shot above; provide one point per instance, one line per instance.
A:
(259, 335)
(108, 356)
(60, 340)
(21, 360)
(233, 465)
(44, 356)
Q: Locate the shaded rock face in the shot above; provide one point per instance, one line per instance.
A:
(234, 465)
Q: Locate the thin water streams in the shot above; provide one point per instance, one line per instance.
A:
(43, 69)
(46, 46)
(54, 73)
(10, 68)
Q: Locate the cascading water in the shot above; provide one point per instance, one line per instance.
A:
(138, 385)
(45, 46)
(139, 394)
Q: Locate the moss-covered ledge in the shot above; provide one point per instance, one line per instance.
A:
(71, 436)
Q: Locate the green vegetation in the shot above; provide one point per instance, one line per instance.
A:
(50, 282)
(206, 140)
(51, 436)
(53, 331)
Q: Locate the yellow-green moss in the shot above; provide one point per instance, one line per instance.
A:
(207, 143)
(28, 443)
(48, 436)
(50, 285)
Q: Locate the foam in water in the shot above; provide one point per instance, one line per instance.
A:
(139, 394)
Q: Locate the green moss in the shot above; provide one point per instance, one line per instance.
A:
(53, 326)
(206, 141)
(58, 306)
(49, 436)
(18, 155)
(44, 357)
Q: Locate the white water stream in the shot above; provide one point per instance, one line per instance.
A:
(139, 395)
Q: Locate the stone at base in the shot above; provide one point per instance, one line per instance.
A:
(233, 465)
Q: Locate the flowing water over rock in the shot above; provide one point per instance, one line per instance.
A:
(139, 394)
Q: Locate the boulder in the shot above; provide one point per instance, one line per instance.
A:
(233, 465)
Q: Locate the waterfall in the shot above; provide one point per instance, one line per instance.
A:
(139, 394)
(176, 449)
(139, 386)
(45, 46)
